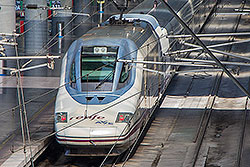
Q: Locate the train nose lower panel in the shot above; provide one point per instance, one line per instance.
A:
(87, 136)
(102, 132)
(92, 141)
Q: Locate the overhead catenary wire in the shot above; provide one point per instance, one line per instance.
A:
(104, 110)
(66, 26)
(210, 46)
(52, 37)
(100, 111)
(34, 25)
(206, 49)
(53, 133)
(96, 112)
(21, 112)
(46, 93)
(218, 51)
(35, 98)
(28, 101)
(140, 133)
(39, 14)
(24, 103)
(4, 112)
(40, 52)
(43, 50)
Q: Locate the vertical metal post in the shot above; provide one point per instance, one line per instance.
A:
(62, 18)
(101, 2)
(206, 49)
(60, 36)
(1, 78)
(101, 12)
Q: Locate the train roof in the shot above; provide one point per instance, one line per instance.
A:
(138, 31)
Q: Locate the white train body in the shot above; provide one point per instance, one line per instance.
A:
(104, 102)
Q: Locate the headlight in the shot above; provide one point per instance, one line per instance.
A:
(61, 117)
(123, 117)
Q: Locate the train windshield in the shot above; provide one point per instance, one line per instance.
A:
(98, 64)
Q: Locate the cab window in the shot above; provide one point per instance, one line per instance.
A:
(124, 76)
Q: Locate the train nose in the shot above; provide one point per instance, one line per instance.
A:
(89, 132)
(103, 132)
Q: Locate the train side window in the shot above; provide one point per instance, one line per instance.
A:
(73, 76)
(125, 73)
(124, 76)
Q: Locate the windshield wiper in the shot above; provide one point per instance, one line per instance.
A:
(105, 79)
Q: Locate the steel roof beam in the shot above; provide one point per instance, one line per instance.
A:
(206, 49)
(29, 57)
(220, 52)
(210, 46)
(187, 62)
(209, 35)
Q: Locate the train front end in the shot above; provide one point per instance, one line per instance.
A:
(96, 105)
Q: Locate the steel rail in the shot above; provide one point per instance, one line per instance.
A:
(242, 136)
(243, 128)
(146, 125)
(139, 137)
(156, 104)
(207, 114)
(206, 118)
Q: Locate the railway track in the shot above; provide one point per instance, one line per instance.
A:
(209, 109)
(182, 135)
(211, 101)
(199, 156)
(242, 136)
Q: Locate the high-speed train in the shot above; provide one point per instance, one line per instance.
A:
(106, 97)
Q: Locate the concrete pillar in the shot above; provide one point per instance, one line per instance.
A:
(37, 35)
(8, 16)
(59, 21)
(7, 25)
(78, 6)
